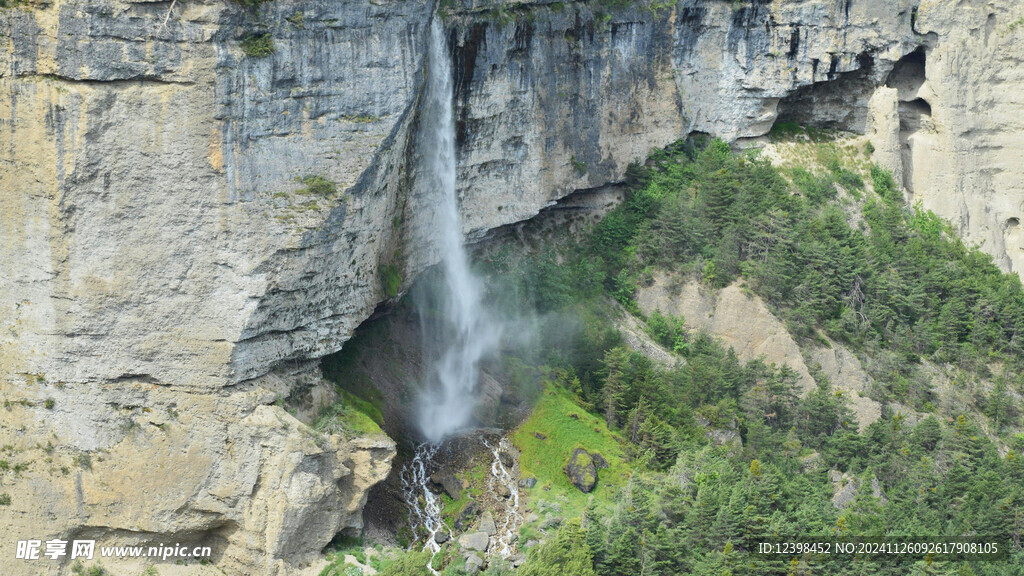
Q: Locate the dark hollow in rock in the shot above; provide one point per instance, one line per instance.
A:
(446, 480)
(581, 470)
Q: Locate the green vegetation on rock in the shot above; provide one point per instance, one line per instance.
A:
(350, 415)
(391, 278)
(249, 3)
(258, 45)
(318, 185)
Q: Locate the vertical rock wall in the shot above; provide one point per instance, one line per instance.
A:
(961, 121)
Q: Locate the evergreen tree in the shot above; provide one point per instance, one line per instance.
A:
(567, 553)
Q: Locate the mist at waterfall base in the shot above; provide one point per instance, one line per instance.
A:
(458, 329)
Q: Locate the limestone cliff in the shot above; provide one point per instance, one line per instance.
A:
(188, 224)
(953, 125)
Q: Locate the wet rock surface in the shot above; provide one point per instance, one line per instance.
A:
(506, 459)
(447, 481)
(486, 524)
(467, 516)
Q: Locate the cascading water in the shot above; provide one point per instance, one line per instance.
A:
(424, 505)
(467, 332)
(421, 491)
(510, 518)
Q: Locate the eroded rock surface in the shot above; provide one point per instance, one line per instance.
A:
(959, 124)
(137, 464)
(736, 316)
(742, 321)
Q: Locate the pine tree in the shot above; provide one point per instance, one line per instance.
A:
(568, 553)
(616, 366)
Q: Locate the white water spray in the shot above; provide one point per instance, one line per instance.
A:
(469, 333)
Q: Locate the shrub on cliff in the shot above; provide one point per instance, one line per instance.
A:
(319, 186)
(258, 45)
(249, 3)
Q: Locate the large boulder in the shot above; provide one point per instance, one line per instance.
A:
(474, 564)
(474, 541)
(467, 515)
(506, 459)
(581, 470)
(486, 524)
(447, 481)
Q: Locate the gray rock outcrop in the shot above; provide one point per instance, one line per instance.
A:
(474, 541)
(486, 524)
(449, 483)
(581, 470)
(474, 564)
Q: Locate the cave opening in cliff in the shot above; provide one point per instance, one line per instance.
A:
(908, 78)
(908, 75)
(839, 102)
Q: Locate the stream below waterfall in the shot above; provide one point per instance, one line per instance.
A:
(424, 506)
(498, 496)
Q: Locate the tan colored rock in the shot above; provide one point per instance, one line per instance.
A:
(884, 131)
(737, 317)
(866, 410)
(139, 464)
(637, 339)
(742, 321)
(962, 123)
(841, 366)
(844, 371)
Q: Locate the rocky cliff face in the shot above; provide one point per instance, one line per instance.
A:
(171, 241)
(953, 126)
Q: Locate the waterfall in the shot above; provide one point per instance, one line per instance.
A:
(467, 332)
